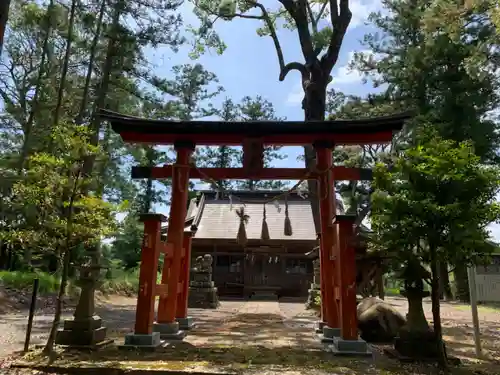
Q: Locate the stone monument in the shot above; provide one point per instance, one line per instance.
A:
(85, 330)
(202, 292)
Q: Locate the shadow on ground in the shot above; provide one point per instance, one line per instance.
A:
(460, 342)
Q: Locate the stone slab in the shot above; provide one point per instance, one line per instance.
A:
(169, 331)
(323, 339)
(92, 347)
(83, 325)
(166, 328)
(185, 324)
(355, 348)
(142, 342)
(318, 326)
(178, 336)
(81, 337)
(331, 332)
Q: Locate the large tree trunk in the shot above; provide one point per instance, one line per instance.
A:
(462, 283)
(444, 282)
(28, 127)
(90, 69)
(4, 15)
(67, 54)
(436, 313)
(49, 346)
(314, 105)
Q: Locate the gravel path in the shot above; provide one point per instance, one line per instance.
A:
(118, 314)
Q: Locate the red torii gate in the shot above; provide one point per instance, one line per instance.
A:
(337, 254)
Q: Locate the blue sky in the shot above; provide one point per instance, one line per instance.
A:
(249, 67)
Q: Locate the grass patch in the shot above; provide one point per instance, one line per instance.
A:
(483, 307)
(123, 282)
(119, 282)
(24, 281)
(392, 292)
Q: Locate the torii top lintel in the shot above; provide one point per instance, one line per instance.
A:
(233, 133)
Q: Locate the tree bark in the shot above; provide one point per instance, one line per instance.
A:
(444, 282)
(314, 105)
(90, 69)
(64, 71)
(462, 282)
(28, 127)
(49, 346)
(4, 16)
(436, 313)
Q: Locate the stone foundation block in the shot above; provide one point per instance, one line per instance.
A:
(90, 324)
(329, 334)
(81, 337)
(140, 341)
(350, 347)
(318, 326)
(169, 331)
(185, 324)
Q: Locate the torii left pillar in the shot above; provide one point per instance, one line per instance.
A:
(166, 324)
(143, 336)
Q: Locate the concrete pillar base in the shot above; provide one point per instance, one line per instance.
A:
(329, 334)
(169, 331)
(142, 342)
(354, 348)
(318, 326)
(185, 324)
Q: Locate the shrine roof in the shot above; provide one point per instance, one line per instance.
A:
(136, 129)
(213, 216)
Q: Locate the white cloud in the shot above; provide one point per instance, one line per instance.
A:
(295, 96)
(345, 75)
(360, 10)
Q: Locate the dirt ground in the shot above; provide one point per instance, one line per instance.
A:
(266, 329)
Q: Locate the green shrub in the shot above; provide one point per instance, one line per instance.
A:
(116, 281)
(24, 281)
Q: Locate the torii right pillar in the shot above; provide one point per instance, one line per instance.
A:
(349, 342)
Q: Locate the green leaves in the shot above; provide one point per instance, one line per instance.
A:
(438, 193)
(52, 198)
(227, 9)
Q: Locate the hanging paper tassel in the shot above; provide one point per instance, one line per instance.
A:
(277, 205)
(241, 237)
(288, 223)
(264, 233)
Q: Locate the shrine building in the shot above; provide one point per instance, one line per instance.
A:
(280, 262)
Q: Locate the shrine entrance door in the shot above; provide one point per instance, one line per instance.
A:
(262, 272)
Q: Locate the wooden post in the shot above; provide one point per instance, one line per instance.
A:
(471, 273)
(322, 282)
(34, 293)
(150, 252)
(182, 300)
(380, 281)
(347, 277)
(167, 306)
(327, 204)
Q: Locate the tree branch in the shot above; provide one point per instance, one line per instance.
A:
(340, 22)
(294, 66)
(298, 11)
